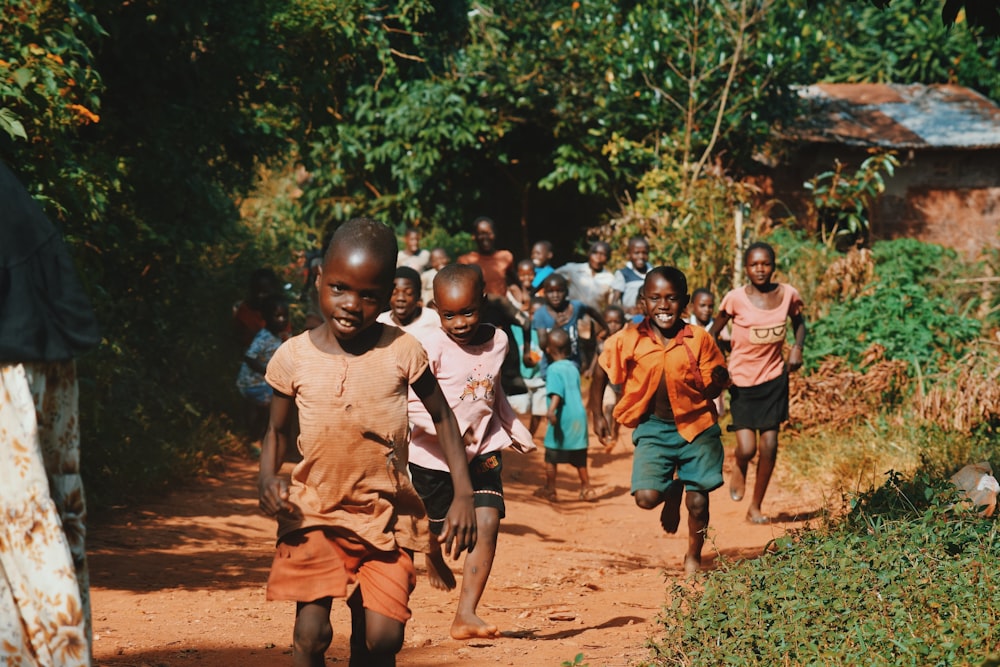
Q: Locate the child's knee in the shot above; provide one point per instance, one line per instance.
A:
(488, 525)
(647, 499)
(386, 641)
(312, 636)
(696, 502)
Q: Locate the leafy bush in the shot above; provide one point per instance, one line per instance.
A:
(906, 579)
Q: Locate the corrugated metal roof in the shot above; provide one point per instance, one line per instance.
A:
(895, 116)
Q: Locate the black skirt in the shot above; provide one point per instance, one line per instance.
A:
(762, 407)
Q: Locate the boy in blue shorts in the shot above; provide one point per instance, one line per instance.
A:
(670, 373)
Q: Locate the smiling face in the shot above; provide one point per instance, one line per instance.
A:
(615, 319)
(702, 306)
(525, 274)
(404, 300)
(759, 267)
(439, 258)
(541, 254)
(459, 303)
(486, 237)
(413, 241)
(354, 286)
(638, 254)
(663, 303)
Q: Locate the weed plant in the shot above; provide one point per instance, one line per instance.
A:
(908, 578)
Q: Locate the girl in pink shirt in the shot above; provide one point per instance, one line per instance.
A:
(760, 312)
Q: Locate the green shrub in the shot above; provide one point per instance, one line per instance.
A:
(906, 579)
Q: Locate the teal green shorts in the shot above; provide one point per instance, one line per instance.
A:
(660, 451)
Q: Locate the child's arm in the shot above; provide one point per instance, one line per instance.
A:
(271, 488)
(595, 315)
(460, 524)
(795, 356)
(598, 383)
(255, 364)
(719, 324)
(554, 402)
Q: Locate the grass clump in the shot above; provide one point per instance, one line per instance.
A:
(906, 578)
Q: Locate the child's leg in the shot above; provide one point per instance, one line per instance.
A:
(746, 449)
(550, 476)
(313, 633)
(697, 507)
(438, 573)
(587, 491)
(533, 424)
(765, 466)
(478, 563)
(375, 638)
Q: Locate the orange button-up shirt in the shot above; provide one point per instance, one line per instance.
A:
(636, 359)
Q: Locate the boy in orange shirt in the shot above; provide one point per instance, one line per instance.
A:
(670, 373)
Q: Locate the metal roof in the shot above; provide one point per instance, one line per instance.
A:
(893, 116)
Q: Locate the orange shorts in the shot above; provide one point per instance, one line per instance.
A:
(318, 562)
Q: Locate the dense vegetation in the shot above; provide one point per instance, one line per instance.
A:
(180, 145)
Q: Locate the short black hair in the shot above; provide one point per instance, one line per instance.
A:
(615, 308)
(559, 339)
(702, 290)
(603, 244)
(371, 235)
(758, 245)
(408, 273)
(461, 273)
(671, 274)
(555, 277)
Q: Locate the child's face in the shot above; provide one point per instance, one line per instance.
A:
(598, 257)
(555, 292)
(413, 242)
(485, 237)
(638, 254)
(459, 304)
(541, 255)
(663, 304)
(278, 320)
(405, 299)
(525, 274)
(439, 259)
(353, 290)
(614, 320)
(703, 307)
(759, 267)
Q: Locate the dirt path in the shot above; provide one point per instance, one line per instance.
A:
(181, 581)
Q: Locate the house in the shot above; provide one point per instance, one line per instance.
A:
(946, 137)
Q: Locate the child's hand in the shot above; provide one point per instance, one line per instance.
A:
(601, 428)
(720, 376)
(795, 358)
(459, 527)
(273, 492)
(553, 418)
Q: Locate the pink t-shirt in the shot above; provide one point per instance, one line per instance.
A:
(758, 335)
(469, 376)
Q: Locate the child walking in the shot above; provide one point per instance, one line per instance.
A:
(758, 399)
(669, 372)
(350, 513)
(465, 356)
(566, 437)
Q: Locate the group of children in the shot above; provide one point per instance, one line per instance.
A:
(403, 418)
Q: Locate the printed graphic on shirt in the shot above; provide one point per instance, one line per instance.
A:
(473, 386)
(768, 335)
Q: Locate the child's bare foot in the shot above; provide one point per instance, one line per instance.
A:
(737, 483)
(588, 494)
(438, 572)
(670, 515)
(755, 516)
(473, 627)
(547, 492)
(692, 564)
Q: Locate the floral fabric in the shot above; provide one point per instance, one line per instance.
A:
(44, 587)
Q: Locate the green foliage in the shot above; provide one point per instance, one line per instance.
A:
(905, 580)
(843, 201)
(910, 310)
(577, 661)
(908, 43)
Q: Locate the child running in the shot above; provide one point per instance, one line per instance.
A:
(758, 399)
(566, 437)
(466, 357)
(670, 372)
(614, 317)
(350, 513)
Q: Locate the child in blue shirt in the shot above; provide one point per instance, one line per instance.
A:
(566, 438)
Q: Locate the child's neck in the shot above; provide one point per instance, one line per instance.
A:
(408, 319)
(558, 357)
(324, 338)
(560, 307)
(766, 288)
